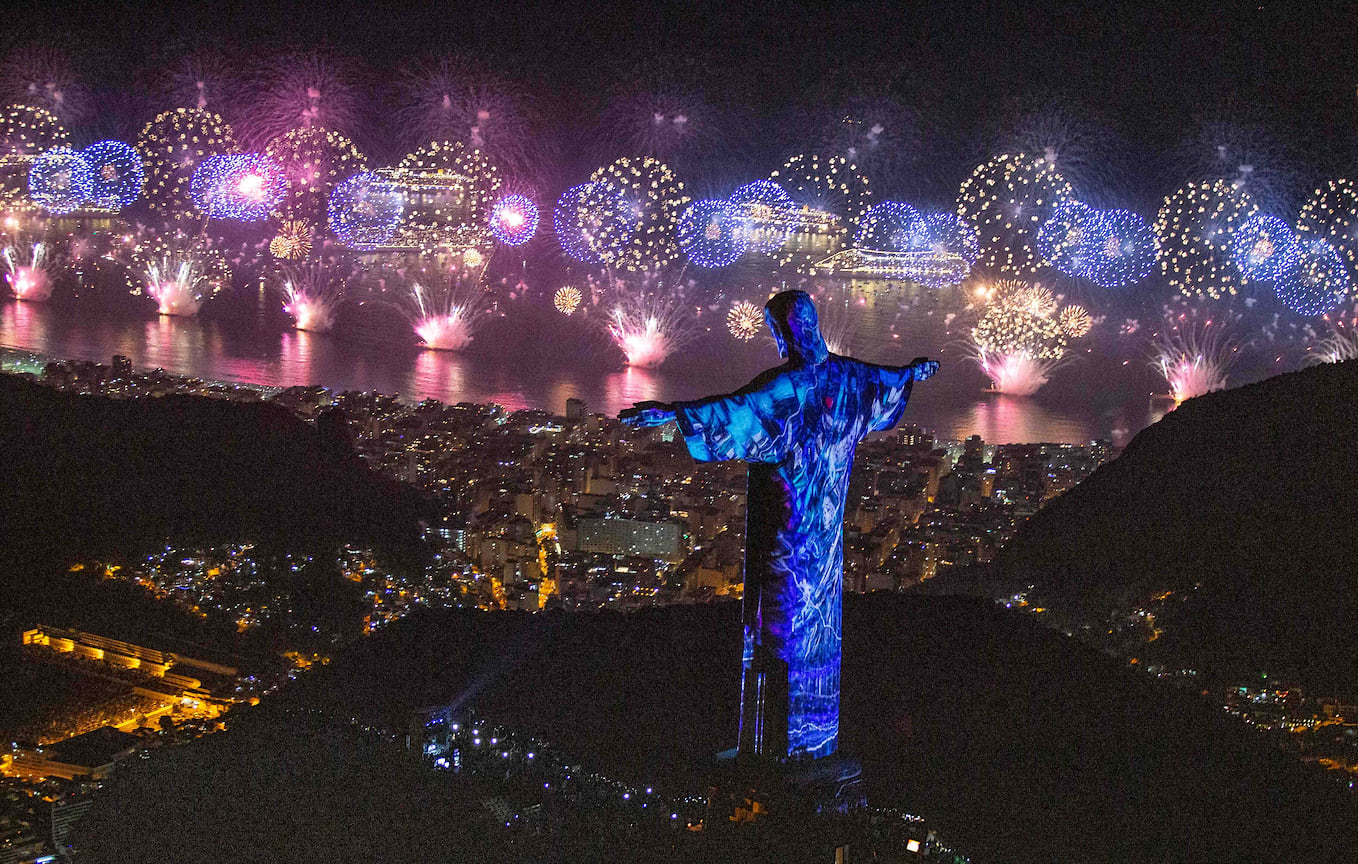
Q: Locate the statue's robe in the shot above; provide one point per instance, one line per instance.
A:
(798, 425)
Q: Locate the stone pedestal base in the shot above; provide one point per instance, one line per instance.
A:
(742, 792)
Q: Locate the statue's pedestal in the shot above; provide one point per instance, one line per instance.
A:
(748, 791)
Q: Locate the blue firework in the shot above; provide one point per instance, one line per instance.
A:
(587, 217)
(761, 206)
(946, 232)
(59, 180)
(711, 233)
(1265, 248)
(765, 192)
(887, 227)
(242, 186)
(365, 210)
(1063, 241)
(1317, 283)
(1122, 249)
(117, 174)
(514, 220)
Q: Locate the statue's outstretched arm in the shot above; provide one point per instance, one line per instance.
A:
(757, 423)
(888, 389)
(644, 415)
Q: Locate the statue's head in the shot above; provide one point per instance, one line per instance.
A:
(792, 317)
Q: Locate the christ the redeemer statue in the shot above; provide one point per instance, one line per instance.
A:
(797, 425)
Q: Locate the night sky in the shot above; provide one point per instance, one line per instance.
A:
(1140, 92)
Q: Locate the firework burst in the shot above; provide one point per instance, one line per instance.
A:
(312, 292)
(712, 234)
(29, 264)
(567, 300)
(314, 161)
(1020, 340)
(514, 220)
(293, 240)
(1317, 280)
(745, 320)
(1193, 357)
(1195, 228)
(172, 146)
(26, 131)
(644, 199)
(1075, 321)
(1331, 214)
(179, 271)
(60, 180)
(1125, 252)
(827, 184)
(763, 207)
(242, 186)
(1008, 200)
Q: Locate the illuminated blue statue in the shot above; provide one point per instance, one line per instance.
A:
(797, 425)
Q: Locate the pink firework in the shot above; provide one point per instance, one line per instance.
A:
(649, 329)
(446, 314)
(179, 271)
(312, 292)
(27, 266)
(1018, 374)
(1193, 358)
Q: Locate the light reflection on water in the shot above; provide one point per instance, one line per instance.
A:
(512, 365)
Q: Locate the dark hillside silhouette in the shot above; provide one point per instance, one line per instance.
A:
(1022, 744)
(88, 476)
(1245, 503)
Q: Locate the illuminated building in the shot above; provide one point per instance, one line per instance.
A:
(92, 754)
(183, 677)
(629, 537)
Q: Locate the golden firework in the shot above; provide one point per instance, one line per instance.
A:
(1075, 321)
(1195, 226)
(745, 320)
(567, 300)
(293, 240)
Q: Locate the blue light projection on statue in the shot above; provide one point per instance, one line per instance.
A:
(798, 425)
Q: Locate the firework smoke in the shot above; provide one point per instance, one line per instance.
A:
(455, 99)
(303, 91)
(40, 75)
